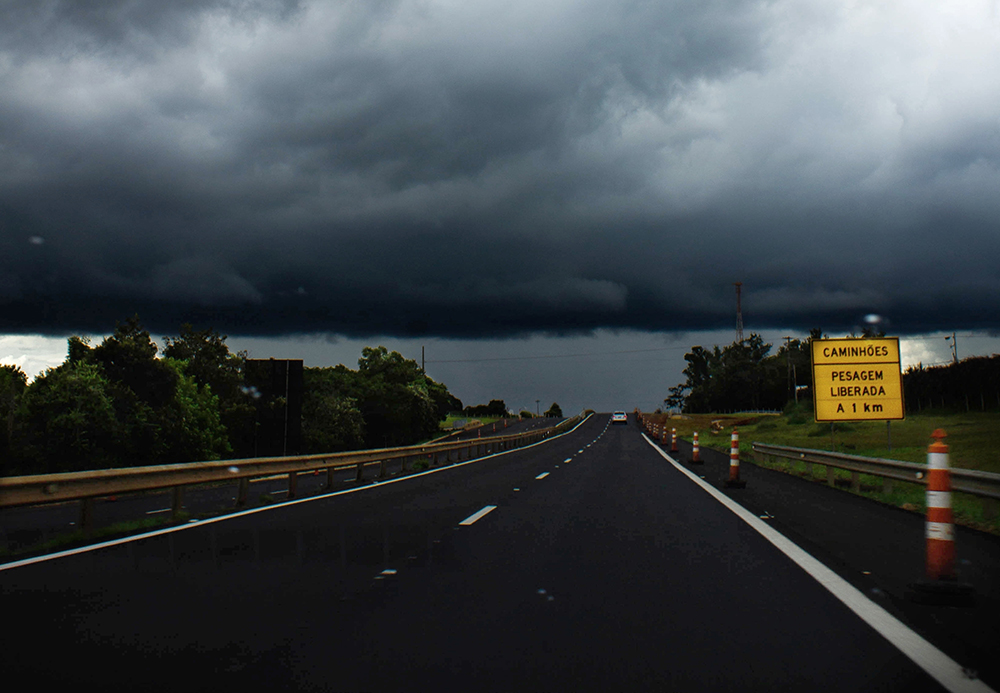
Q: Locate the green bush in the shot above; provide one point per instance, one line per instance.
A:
(824, 430)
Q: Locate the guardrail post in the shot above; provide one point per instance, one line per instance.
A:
(360, 472)
(856, 481)
(177, 502)
(829, 475)
(329, 477)
(293, 484)
(381, 469)
(242, 490)
(86, 514)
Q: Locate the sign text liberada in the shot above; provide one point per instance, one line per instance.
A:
(857, 379)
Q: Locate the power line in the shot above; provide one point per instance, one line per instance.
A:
(561, 356)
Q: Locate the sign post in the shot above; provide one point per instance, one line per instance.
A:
(857, 380)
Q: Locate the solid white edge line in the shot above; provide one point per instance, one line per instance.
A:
(221, 518)
(936, 663)
(478, 515)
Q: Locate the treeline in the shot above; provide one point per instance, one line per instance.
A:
(970, 384)
(124, 403)
(387, 402)
(743, 376)
(497, 407)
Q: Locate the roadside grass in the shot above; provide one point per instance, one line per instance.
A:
(79, 537)
(973, 439)
(449, 423)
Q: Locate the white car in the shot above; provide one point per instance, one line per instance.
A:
(619, 417)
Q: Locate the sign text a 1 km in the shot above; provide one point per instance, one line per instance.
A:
(857, 379)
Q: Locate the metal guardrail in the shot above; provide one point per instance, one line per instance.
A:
(86, 486)
(986, 484)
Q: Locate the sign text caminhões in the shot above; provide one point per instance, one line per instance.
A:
(857, 379)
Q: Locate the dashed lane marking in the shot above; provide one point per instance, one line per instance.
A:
(542, 475)
(475, 517)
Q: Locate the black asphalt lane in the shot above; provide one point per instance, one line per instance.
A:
(610, 572)
(879, 549)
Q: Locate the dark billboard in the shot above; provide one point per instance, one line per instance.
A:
(276, 387)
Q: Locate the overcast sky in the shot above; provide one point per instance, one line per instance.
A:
(499, 177)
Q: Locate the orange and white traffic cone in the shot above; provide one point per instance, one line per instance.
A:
(734, 463)
(941, 586)
(695, 459)
(673, 440)
(940, 531)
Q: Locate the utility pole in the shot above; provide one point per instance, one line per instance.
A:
(788, 354)
(739, 313)
(954, 346)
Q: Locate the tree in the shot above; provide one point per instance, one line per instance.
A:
(209, 360)
(727, 379)
(211, 363)
(331, 421)
(444, 401)
(676, 398)
(555, 411)
(496, 407)
(394, 398)
(66, 420)
(188, 427)
(13, 382)
(128, 358)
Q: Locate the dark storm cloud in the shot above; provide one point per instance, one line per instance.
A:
(492, 169)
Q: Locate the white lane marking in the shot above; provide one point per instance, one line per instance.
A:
(936, 663)
(542, 475)
(388, 571)
(264, 509)
(474, 517)
(517, 489)
(162, 510)
(578, 452)
(567, 460)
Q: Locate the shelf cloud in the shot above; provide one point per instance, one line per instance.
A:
(491, 169)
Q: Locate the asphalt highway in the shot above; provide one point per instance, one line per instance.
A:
(587, 562)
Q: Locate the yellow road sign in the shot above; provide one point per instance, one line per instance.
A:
(857, 379)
